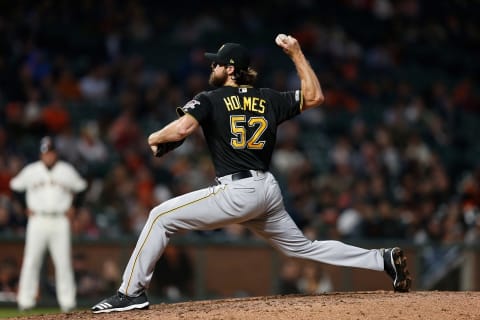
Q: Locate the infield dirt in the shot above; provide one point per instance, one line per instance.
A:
(426, 305)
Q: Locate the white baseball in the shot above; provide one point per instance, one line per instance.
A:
(280, 38)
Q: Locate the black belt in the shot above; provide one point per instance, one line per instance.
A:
(237, 176)
(241, 175)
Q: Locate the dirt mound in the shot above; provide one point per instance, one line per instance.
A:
(345, 306)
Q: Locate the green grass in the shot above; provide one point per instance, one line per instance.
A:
(9, 312)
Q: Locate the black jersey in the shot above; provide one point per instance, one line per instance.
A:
(240, 124)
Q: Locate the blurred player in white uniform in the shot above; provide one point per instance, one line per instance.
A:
(50, 185)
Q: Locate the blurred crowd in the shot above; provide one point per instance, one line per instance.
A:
(393, 154)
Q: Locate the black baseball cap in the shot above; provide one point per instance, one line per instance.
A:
(47, 144)
(231, 54)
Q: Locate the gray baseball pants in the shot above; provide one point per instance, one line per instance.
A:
(254, 202)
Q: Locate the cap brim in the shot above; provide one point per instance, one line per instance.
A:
(213, 57)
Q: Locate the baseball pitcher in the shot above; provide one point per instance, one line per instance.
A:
(240, 123)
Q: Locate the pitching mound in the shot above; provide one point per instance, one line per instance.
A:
(349, 305)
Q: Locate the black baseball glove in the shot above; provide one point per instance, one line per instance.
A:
(163, 148)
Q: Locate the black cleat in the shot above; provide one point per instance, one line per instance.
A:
(395, 265)
(121, 302)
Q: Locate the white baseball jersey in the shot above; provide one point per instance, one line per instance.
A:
(48, 190)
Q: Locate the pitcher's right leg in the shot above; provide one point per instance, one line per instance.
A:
(282, 232)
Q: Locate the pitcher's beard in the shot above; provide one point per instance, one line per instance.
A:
(217, 81)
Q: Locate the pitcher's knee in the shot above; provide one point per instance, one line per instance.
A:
(158, 218)
(297, 251)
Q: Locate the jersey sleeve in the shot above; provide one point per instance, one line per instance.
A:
(199, 107)
(77, 183)
(288, 104)
(19, 183)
